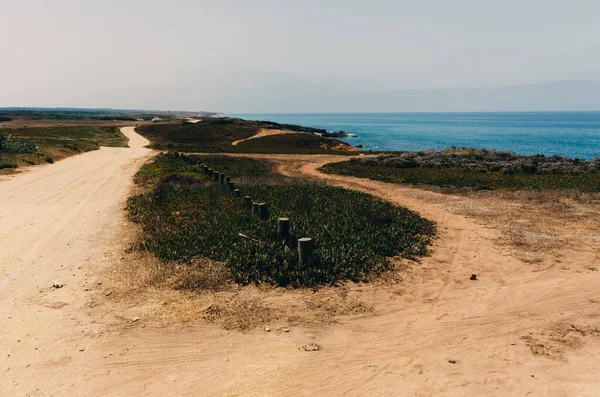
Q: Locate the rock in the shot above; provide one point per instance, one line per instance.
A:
(473, 277)
(108, 293)
(311, 347)
(57, 285)
(135, 319)
(267, 329)
(285, 330)
(99, 282)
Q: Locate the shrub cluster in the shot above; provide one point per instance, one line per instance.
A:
(481, 159)
(187, 215)
(476, 169)
(8, 144)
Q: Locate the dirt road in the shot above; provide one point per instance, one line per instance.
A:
(58, 224)
(435, 333)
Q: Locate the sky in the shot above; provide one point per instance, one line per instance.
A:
(281, 56)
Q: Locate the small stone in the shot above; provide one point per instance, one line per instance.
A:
(285, 330)
(452, 361)
(108, 293)
(311, 347)
(135, 319)
(473, 277)
(81, 350)
(57, 285)
(99, 282)
(267, 329)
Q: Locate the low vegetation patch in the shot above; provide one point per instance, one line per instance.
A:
(29, 146)
(476, 169)
(214, 135)
(185, 215)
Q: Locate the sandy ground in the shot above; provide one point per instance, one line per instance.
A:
(264, 132)
(522, 329)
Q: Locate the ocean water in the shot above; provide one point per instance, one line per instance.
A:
(573, 134)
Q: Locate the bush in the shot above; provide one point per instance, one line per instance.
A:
(476, 169)
(7, 163)
(8, 144)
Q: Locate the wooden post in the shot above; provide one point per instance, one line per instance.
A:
(205, 169)
(304, 250)
(283, 227)
(237, 193)
(222, 178)
(227, 180)
(248, 201)
(216, 176)
(254, 208)
(231, 185)
(263, 211)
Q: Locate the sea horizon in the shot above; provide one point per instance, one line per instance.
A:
(573, 134)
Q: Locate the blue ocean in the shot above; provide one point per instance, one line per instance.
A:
(573, 134)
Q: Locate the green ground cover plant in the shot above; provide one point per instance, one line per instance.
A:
(476, 169)
(214, 135)
(29, 146)
(186, 215)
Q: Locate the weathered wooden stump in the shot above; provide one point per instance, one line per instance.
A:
(237, 193)
(216, 176)
(254, 208)
(248, 201)
(222, 178)
(305, 248)
(283, 227)
(231, 185)
(227, 180)
(263, 211)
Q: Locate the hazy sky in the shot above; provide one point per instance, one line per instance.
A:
(228, 55)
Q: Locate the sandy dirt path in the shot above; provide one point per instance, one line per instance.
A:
(58, 223)
(435, 333)
(263, 133)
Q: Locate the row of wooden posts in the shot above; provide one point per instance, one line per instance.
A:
(305, 245)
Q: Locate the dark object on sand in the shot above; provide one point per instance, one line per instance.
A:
(473, 277)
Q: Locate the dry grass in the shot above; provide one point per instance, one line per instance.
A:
(534, 224)
(204, 291)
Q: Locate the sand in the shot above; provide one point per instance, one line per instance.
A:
(434, 333)
(263, 133)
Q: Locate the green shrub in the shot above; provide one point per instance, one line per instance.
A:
(8, 144)
(450, 174)
(7, 163)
